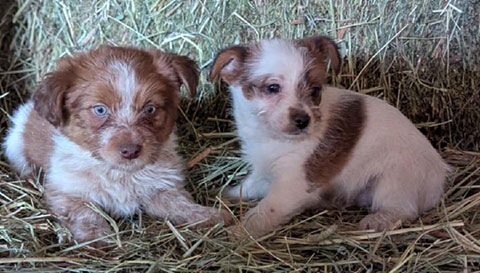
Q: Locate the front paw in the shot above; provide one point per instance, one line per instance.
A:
(253, 187)
(211, 217)
(93, 229)
(227, 218)
(380, 221)
(241, 192)
(233, 192)
(239, 231)
(224, 216)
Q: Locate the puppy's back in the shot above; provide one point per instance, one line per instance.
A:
(391, 147)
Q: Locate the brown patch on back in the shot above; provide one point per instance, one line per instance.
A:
(344, 128)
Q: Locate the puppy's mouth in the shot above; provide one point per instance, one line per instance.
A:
(297, 135)
(298, 132)
(293, 131)
(121, 164)
(292, 135)
(126, 165)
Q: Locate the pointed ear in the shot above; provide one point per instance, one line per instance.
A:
(228, 64)
(49, 98)
(322, 48)
(178, 68)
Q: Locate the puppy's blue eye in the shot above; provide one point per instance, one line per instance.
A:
(272, 89)
(150, 109)
(100, 110)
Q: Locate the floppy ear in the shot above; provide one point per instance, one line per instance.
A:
(49, 98)
(228, 64)
(187, 71)
(184, 69)
(322, 48)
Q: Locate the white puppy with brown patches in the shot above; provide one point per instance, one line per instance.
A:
(310, 145)
(102, 128)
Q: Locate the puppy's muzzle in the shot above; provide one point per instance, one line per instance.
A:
(130, 150)
(301, 120)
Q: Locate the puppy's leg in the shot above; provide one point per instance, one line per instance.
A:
(384, 219)
(177, 206)
(84, 223)
(289, 195)
(255, 186)
(393, 201)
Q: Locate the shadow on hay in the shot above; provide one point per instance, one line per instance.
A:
(7, 33)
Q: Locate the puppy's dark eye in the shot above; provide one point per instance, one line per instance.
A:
(272, 88)
(316, 91)
(100, 110)
(150, 109)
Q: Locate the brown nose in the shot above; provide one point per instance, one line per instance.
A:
(130, 151)
(301, 120)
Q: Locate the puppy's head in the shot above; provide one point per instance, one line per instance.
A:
(118, 103)
(281, 80)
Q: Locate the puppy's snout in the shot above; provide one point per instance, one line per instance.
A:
(130, 151)
(301, 120)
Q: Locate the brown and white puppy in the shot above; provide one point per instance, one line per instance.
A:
(311, 145)
(102, 128)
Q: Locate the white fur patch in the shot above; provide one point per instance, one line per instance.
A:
(290, 65)
(74, 171)
(125, 84)
(13, 144)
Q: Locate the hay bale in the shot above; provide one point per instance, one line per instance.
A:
(418, 56)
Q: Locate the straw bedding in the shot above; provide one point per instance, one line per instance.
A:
(421, 56)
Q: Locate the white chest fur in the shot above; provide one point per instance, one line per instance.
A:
(75, 172)
(268, 156)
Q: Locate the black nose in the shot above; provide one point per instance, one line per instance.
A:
(301, 120)
(130, 151)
